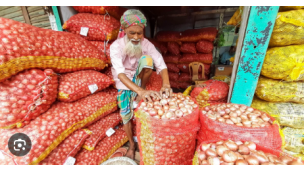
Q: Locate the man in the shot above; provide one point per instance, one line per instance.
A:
(227, 55)
(133, 58)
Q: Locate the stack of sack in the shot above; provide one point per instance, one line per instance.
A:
(58, 89)
(280, 90)
(195, 45)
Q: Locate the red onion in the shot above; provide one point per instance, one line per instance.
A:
(226, 116)
(244, 150)
(178, 113)
(202, 155)
(252, 160)
(143, 104)
(234, 115)
(234, 120)
(172, 103)
(222, 112)
(166, 107)
(241, 162)
(213, 146)
(273, 158)
(247, 123)
(180, 105)
(232, 108)
(169, 115)
(211, 152)
(213, 161)
(227, 111)
(221, 149)
(239, 142)
(286, 159)
(160, 112)
(152, 112)
(231, 145)
(164, 102)
(229, 156)
(204, 147)
(260, 156)
(250, 145)
(239, 156)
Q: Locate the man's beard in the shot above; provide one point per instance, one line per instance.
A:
(131, 50)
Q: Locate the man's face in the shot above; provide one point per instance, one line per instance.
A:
(232, 50)
(134, 34)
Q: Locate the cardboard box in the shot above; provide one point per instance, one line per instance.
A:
(223, 70)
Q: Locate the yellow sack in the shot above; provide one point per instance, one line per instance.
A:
(285, 63)
(288, 29)
(288, 8)
(294, 139)
(236, 18)
(280, 91)
(287, 114)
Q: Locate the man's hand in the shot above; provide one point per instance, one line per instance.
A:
(166, 90)
(147, 94)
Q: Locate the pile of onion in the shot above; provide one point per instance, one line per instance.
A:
(170, 108)
(239, 153)
(239, 115)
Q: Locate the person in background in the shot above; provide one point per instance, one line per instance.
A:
(133, 57)
(227, 55)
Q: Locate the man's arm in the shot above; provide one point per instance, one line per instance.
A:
(166, 83)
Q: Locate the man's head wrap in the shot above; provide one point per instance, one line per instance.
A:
(132, 17)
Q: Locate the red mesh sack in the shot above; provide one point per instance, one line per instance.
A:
(184, 85)
(172, 68)
(68, 148)
(25, 96)
(188, 48)
(173, 76)
(166, 142)
(111, 91)
(195, 35)
(209, 92)
(47, 131)
(155, 82)
(100, 45)
(174, 84)
(101, 27)
(173, 48)
(171, 59)
(103, 150)
(267, 136)
(160, 45)
(199, 57)
(277, 153)
(24, 47)
(185, 68)
(168, 36)
(108, 72)
(100, 128)
(76, 85)
(204, 46)
(114, 11)
(185, 77)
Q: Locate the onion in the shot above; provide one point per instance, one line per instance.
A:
(228, 121)
(207, 108)
(250, 145)
(169, 115)
(172, 103)
(164, 101)
(157, 107)
(226, 116)
(231, 145)
(247, 123)
(181, 105)
(144, 104)
(229, 156)
(239, 142)
(221, 149)
(221, 120)
(252, 160)
(166, 107)
(232, 108)
(295, 163)
(160, 112)
(273, 158)
(260, 156)
(227, 111)
(239, 156)
(213, 161)
(239, 124)
(157, 116)
(173, 108)
(222, 112)
(219, 143)
(244, 117)
(213, 146)
(238, 112)
(184, 110)
(234, 120)
(156, 103)
(178, 113)
(202, 155)
(234, 115)
(204, 162)
(286, 159)
(152, 112)
(265, 118)
(204, 147)
(241, 162)
(211, 152)
(149, 105)
(244, 150)
(195, 106)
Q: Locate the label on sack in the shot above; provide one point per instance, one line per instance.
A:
(221, 68)
(93, 88)
(110, 132)
(84, 31)
(70, 161)
(1, 156)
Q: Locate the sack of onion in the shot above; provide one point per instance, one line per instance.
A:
(239, 122)
(76, 85)
(25, 96)
(287, 114)
(68, 148)
(103, 150)
(155, 82)
(228, 152)
(24, 47)
(211, 91)
(166, 130)
(47, 131)
(100, 128)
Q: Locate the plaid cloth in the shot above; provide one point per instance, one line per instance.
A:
(125, 98)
